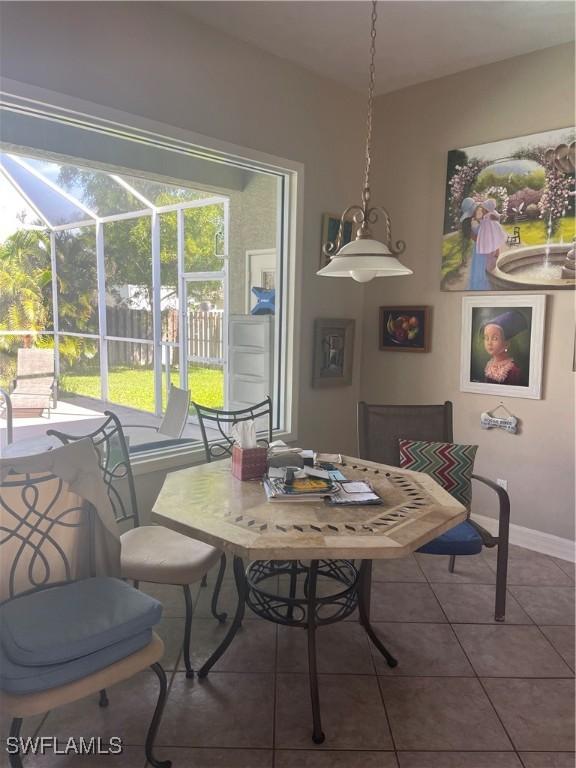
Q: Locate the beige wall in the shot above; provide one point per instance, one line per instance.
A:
(416, 128)
(150, 59)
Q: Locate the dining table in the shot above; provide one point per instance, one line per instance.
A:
(307, 563)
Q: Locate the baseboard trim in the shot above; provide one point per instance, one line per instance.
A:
(538, 541)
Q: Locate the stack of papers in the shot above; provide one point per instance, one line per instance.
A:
(351, 494)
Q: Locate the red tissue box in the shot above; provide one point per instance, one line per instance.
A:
(249, 463)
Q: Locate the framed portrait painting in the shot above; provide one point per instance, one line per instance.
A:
(333, 353)
(405, 329)
(502, 345)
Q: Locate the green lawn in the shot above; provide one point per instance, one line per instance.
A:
(134, 387)
(531, 233)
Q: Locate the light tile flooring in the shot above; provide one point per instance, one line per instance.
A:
(467, 693)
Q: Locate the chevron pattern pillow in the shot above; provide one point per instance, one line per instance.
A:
(450, 464)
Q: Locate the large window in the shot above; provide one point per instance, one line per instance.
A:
(139, 281)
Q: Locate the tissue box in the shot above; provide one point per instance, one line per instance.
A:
(249, 463)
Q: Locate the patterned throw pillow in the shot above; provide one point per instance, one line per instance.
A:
(451, 465)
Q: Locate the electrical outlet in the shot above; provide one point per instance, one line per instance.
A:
(502, 483)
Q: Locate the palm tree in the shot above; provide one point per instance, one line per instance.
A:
(25, 276)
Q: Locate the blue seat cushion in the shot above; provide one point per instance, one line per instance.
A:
(463, 539)
(20, 679)
(67, 622)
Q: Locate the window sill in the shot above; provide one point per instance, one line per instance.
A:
(173, 458)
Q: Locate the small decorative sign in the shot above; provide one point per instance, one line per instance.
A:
(507, 423)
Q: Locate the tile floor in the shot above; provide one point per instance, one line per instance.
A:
(467, 693)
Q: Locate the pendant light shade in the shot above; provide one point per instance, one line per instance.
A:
(365, 258)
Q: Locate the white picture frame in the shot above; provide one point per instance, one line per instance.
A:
(523, 318)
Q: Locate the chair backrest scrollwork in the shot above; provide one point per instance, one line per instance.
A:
(45, 534)
(223, 420)
(114, 461)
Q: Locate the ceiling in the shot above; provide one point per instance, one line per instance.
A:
(417, 41)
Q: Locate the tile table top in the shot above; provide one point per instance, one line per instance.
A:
(208, 503)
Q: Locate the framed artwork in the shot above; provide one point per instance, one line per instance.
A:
(405, 329)
(509, 215)
(333, 353)
(330, 225)
(502, 345)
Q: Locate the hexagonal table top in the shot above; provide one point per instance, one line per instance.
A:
(208, 503)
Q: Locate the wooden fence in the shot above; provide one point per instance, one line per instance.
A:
(205, 336)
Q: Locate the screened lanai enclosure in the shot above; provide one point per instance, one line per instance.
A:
(135, 282)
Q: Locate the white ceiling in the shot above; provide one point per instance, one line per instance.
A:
(417, 41)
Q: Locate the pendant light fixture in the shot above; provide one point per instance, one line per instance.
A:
(364, 258)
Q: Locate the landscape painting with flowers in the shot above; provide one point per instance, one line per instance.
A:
(509, 215)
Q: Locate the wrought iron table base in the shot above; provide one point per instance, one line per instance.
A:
(308, 612)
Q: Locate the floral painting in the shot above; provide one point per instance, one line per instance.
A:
(509, 215)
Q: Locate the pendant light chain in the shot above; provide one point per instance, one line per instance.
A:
(370, 100)
(364, 257)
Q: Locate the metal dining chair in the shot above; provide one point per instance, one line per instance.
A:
(380, 428)
(150, 553)
(68, 628)
(221, 421)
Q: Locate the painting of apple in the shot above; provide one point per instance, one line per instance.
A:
(405, 329)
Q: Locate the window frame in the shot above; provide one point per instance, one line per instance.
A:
(43, 104)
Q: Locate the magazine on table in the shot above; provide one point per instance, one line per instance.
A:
(318, 485)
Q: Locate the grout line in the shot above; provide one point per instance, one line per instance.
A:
(274, 708)
(486, 693)
(371, 650)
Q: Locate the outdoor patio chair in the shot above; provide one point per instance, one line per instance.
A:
(35, 387)
(69, 628)
(149, 553)
(380, 429)
(172, 425)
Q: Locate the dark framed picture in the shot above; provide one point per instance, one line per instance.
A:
(330, 225)
(333, 353)
(502, 345)
(405, 329)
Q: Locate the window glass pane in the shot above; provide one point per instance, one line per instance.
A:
(128, 267)
(26, 282)
(77, 280)
(10, 343)
(131, 374)
(159, 193)
(79, 367)
(205, 333)
(204, 239)
(169, 276)
(170, 367)
(55, 207)
(97, 190)
(15, 212)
